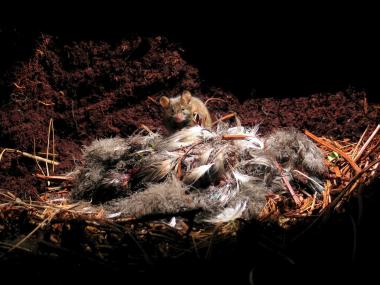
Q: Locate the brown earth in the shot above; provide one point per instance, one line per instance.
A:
(96, 89)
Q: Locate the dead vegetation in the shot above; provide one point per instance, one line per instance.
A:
(52, 218)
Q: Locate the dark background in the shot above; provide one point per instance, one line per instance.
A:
(273, 51)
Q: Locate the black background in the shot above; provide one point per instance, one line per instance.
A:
(279, 51)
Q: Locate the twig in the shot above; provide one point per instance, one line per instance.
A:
(326, 195)
(373, 150)
(40, 225)
(367, 143)
(53, 138)
(214, 99)
(34, 152)
(353, 154)
(8, 195)
(27, 155)
(356, 168)
(308, 177)
(47, 151)
(286, 181)
(359, 142)
(313, 204)
(235, 137)
(38, 158)
(59, 178)
(226, 117)
(332, 205)
(7, 245)
(290, 188)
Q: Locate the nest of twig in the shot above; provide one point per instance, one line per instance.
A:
(52, 224)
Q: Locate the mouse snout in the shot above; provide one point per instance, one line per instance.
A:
(179, 118)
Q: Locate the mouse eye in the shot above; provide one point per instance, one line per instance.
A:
(183, 109)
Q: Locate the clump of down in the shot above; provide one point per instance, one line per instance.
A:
(195, 168)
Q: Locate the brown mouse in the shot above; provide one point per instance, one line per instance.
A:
(183, 111)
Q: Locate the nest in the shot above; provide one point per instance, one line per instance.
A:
(56, 223)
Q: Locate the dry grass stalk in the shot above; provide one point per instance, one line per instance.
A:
(359, 142)
(54, 177)
(40, 225)
(25, 154)
(367, 143)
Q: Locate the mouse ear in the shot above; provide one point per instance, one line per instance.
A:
(165, 102)
(186, 97)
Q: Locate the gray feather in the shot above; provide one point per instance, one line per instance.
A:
(168, 197)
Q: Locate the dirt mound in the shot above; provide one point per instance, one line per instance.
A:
(91, 90)
(342, 115)
(95, 89)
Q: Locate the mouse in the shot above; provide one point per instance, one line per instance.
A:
(184, 111)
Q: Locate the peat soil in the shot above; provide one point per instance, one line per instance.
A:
(97, 89)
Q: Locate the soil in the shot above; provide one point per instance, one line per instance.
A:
(97, 89)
